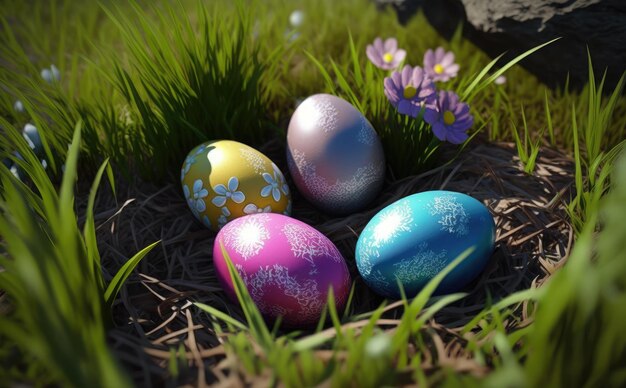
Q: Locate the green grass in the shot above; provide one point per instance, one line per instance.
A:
(59, 304)
(527, 149)
(149, 80)
(372, 357)
(148, 92)
(577, 338)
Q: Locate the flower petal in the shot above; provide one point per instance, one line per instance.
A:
(429, 59)
(265, 191)
(233, 183)
(200, 205)
(447, 59)
(453, 98)
(431, 115)
(417, 76)
(219, 201)
(390, 45)
(268, 178)
(186, 191)
(407, 73)
(405, 107)
(277, 171)
(396, 79)
(453, 69)
(276, 194)
(439, 53)
(220, 189)
(399, 57)
(390, 91)
(238, 197)
(203, 193)
(439, 130)
(371, 53)
(250, 208)
(456, 137)
(285, 188)
(378, 45)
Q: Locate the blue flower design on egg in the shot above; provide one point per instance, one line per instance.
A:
(223, 219)
(287, 211)
(195, 199)
(275, 184)
(253, 209)
(206, 221)
(283, 185)
(223, 193)
(191, 159)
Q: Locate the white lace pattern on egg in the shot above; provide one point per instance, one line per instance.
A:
(452, 216)
(379, 282)
(374, 277)
(366, 135)
(319, 111)
(340, 192)
(393, 221)
(254, 159)
(305, 292)
(424, 264)
(308, 244)
(248, 237)
(366, 254)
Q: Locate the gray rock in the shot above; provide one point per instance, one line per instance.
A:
(515, 26)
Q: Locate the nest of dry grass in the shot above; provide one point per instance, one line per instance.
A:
(154, 312)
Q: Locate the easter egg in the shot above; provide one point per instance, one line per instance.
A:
(224, 179)
(416, 237)
(334, 155)
(287, 266)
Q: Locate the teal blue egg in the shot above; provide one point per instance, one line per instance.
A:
(413, 239)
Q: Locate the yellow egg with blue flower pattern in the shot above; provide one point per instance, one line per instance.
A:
(225, 179)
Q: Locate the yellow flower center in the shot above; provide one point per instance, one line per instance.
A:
(387, 57)
(409, 92)
(438, 69)
(448, 118)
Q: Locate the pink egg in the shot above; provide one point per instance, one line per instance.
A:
(288, 267)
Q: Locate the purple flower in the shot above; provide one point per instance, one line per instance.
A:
(385, 55)
(409, 90)
(439, 65)
(449, 118)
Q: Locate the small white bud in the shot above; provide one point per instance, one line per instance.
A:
(55, 73)
(296, 18)
(18, 106)
(46, 74)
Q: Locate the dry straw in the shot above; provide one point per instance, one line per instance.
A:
(155, 314)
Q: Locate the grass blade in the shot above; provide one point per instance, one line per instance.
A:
(120, 277)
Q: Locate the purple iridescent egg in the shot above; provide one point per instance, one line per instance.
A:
(334, 154)
(287, 266)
